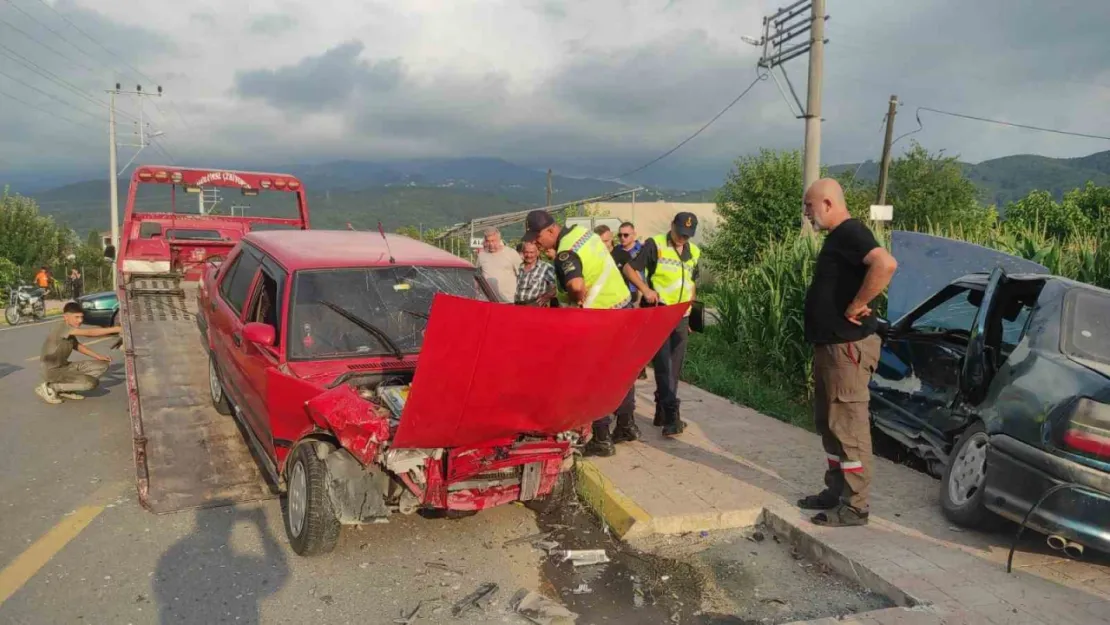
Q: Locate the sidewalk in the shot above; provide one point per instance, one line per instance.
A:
(735, 467)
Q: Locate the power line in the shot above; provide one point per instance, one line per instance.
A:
(921, 126)
(37, 21)
(52, 97)
(44, 111)
(51, 76)
(691, 137)
(36, 40)
(92, 39)
(163, 150)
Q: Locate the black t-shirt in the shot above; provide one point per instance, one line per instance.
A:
(621, 257)
(836, 280)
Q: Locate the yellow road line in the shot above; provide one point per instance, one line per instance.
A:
(33, 324)
(93, 342)
(28, 563)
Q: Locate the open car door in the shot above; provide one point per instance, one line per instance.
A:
(978, 367)
(489, 371)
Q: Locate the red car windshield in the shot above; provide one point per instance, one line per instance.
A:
(344, 313)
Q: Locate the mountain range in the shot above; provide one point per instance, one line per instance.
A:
(1010, 178)
(440, 192)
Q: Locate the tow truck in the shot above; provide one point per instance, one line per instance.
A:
(186, 455)
(368, 375)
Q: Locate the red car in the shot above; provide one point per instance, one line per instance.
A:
(314, 338)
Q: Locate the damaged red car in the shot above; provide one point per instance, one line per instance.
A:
(373, 375)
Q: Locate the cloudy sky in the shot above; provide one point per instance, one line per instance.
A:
(588, 86)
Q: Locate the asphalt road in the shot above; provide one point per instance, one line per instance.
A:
(75, 546)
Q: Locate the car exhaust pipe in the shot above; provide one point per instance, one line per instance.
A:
(1057, 543)
(1074, 550)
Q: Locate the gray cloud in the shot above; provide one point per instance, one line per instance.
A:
(319, 82)
(582, 95)
(272, 24)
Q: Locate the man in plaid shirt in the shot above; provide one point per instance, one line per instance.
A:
(535, 285)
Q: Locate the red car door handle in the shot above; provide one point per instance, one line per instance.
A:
(237, 339)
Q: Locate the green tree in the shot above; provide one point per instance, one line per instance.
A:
(760, 203)
(1094, 202)
(27, 238)
(927, 189)
(95, 241)
(1039, 211)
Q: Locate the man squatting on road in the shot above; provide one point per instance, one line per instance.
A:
(852, 269)
(63, 379)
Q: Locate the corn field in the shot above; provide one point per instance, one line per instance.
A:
(760, 309)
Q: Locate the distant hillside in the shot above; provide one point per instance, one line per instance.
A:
(432, 192)
(1011, 178)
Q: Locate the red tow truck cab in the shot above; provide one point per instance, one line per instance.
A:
(176, 236)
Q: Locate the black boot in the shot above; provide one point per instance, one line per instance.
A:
(601, 445)
(673, 426)
(659, 417)
(626, 433)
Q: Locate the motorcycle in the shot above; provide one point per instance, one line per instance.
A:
(25, 301)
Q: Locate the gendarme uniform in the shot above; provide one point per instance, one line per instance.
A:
(579, 253)
(671, 275)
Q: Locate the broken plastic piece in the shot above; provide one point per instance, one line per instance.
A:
(541, 610)
(477, 600)
(582, 589)
(584, 557)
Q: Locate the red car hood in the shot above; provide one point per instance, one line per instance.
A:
(488, 370)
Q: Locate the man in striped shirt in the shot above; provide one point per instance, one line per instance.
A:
(535, 283)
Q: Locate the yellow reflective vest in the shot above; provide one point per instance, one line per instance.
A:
(605, 286)
(673, 279)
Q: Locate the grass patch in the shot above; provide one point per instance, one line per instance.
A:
(712, 364)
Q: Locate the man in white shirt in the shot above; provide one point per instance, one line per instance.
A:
(500, 265)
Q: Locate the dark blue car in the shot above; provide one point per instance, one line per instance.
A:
(101, 309)
(997, 374)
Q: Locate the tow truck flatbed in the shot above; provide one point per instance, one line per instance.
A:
(193, 456)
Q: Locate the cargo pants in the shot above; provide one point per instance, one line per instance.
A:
(83, 375)
(841, 372)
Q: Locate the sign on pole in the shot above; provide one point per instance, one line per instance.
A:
(882, 212)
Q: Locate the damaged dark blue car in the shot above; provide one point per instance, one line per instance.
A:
(997, 375)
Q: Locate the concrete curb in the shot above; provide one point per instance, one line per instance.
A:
(624, 517)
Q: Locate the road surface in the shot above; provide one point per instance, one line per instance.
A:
(75, 547)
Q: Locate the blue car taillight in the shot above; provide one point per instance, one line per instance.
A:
(1088, 429)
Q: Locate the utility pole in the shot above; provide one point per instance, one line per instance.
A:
(549, 187)
(113, 184)
(113, 169)
(804, 17)
(884, 165)
(813, 97)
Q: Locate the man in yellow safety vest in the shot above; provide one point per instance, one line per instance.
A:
(587, 277)
(670, 262)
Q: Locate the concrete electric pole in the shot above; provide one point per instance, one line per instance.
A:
(813, 96)
(884, 164)
(114, 170)
(805, 17)
(549, 187)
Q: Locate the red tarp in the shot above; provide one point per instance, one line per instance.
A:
(494, 370)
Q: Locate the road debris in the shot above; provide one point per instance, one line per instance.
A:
(637, 593)
(440, 566)
(477, 600)
(527, 539)
(584, 557)
(756, 537)
(541, 610)
(410, 618)
(546, 545)
(582, 589)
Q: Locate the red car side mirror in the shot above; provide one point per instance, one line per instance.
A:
(260, 333)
